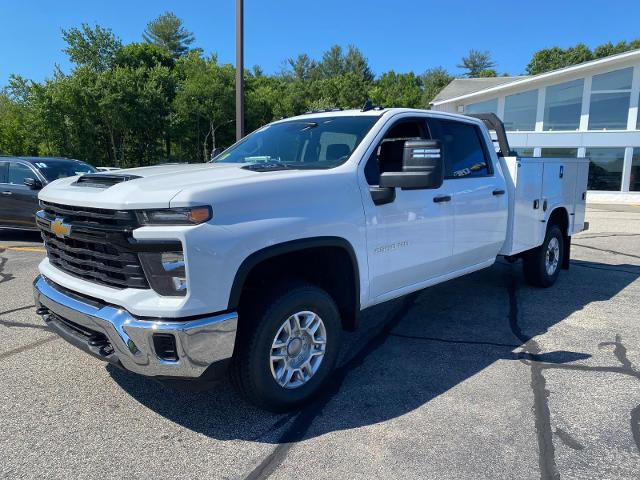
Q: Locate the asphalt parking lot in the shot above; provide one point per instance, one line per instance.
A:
(480, 377)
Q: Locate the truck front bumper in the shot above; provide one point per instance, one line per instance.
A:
(152, 347)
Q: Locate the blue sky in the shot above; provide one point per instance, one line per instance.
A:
(401, 35)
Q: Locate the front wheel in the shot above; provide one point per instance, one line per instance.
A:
(289, 346)
(542, 265)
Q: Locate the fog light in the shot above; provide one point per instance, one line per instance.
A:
(165, 346)
(165, 272)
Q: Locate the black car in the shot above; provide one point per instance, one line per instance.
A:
(20, 180)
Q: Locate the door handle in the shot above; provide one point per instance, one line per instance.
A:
(442, 198)
(498, 192)
(7, 193)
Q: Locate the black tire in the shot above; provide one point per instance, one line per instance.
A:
(535, 261)
(251, 367)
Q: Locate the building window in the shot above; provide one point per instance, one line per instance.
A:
(634, 183)
(489, 106)
(638, 114)
(559, 152)
(523, 151)
(610, 96)
(563, 105)
(520, 111)
(605, 168)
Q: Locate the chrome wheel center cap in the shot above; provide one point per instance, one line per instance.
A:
(294, 347)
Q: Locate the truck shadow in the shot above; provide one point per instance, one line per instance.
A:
(406, 353)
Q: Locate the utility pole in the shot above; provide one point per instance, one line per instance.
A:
(239, 69)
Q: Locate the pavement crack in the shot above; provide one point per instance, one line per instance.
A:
(635, 426)
(26, 307)
(13, 324)
(4, 277)
(568, 440)
(604, 250)
(30, 346)
(608, 269)
(456, 341)
(303, 420)
(541, 410)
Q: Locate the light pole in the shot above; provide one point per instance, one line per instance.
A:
(239, 69)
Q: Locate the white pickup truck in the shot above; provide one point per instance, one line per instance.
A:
(259, 259)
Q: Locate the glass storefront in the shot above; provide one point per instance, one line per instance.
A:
(523, 151)
(520, 111)
(559, 152)
(610, 97)
(563, 104)
(490, 106)
(605, 168)
(634, 183)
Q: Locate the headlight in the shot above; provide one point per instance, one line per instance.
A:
(165, 272)
(175, 216)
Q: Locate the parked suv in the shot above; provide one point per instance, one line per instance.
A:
(20, 180)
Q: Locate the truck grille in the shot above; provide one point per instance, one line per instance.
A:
(97, 247)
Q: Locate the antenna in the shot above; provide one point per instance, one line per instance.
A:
(368, 105)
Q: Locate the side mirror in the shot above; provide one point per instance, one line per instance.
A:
(422, 167)
(216, 151)
(33, 183)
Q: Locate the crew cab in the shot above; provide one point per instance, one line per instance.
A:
(257, 261)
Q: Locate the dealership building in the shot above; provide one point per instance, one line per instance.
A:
(587, 110)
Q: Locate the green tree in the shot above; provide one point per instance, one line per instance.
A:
(204, 104)
(554, 58)
(476, 62)
(168, 32)
(433, 81)
(95, 47)
(397, 90)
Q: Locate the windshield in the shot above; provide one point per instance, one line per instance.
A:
(314, 143)
(55, 169)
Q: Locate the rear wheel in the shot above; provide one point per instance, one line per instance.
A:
(287, 347)
(542, 265)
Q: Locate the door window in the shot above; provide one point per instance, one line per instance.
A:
(462, 147)
(387, 157)
(4, 167)
(18, 172)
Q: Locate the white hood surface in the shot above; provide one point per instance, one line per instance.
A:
(155, 189)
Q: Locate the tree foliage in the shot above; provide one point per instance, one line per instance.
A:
(167, 32)
(157, 100)
(554, 58)
(477, 64)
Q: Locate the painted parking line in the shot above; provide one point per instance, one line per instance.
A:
(26, 249)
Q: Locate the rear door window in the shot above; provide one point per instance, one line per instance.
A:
(4, 167)
(463, 149)
(18, 172)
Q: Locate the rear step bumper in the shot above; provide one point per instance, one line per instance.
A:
(157, 348)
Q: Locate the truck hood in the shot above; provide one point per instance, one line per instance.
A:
(148, 187)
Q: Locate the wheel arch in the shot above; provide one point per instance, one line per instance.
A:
(336, 253)
(560, 216)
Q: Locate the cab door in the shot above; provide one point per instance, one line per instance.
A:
(5, 194)
(478, 188)
(409, 239)
(21, 200)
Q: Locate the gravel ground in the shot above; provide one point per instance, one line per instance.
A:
(480, 377)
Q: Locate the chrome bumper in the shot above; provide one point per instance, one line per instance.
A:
(114, 335)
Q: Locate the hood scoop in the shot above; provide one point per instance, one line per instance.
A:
(100, 180)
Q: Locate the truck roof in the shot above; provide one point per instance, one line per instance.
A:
(376, 112)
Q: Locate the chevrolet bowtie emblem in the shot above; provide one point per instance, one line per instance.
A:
(60, 228)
